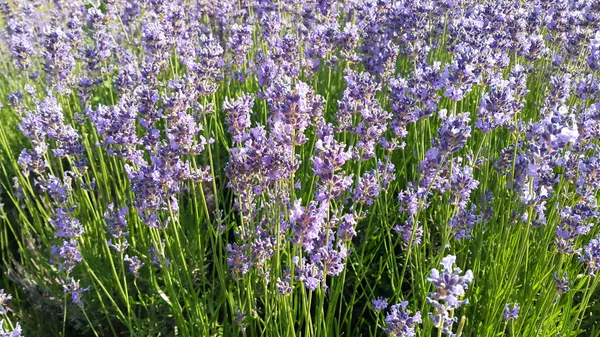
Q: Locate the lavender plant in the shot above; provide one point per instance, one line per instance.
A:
(293, 168)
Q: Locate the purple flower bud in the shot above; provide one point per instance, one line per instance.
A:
(346, 230)
(307, 222)
(463, 72)
(462, 223)
(593, 60)
(155, 254)
(310, 274)
(238, 260)
(462, 184)
(65, 225)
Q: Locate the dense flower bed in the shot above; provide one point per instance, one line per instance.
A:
(299, 168)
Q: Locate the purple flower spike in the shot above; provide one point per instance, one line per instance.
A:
(72, 286)
(238, 115)
(454, 132)
(400, 323)
(407, 231)
(4, 298)
(591, 255)
(68, 255)
(562, 283)
(135, 264)
(450, 288)
(511, 313)
(379, 303)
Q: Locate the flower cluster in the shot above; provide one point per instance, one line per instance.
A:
(399, 322)
(450, 289)
(176, 136)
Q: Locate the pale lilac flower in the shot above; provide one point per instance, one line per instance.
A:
(400, 323)
(16, 332)
(379, 303)
(450, 289)
(4, 298)
(454, 132)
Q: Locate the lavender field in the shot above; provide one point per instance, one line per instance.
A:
(299, 168)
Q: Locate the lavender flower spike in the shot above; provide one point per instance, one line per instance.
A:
(449, 284)
(399, 323)
(238, 115)
(379, 303)
(511, 313)
(591, 255)
(450, 288)
(135, 264)
(72, 286)
(4, 298)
